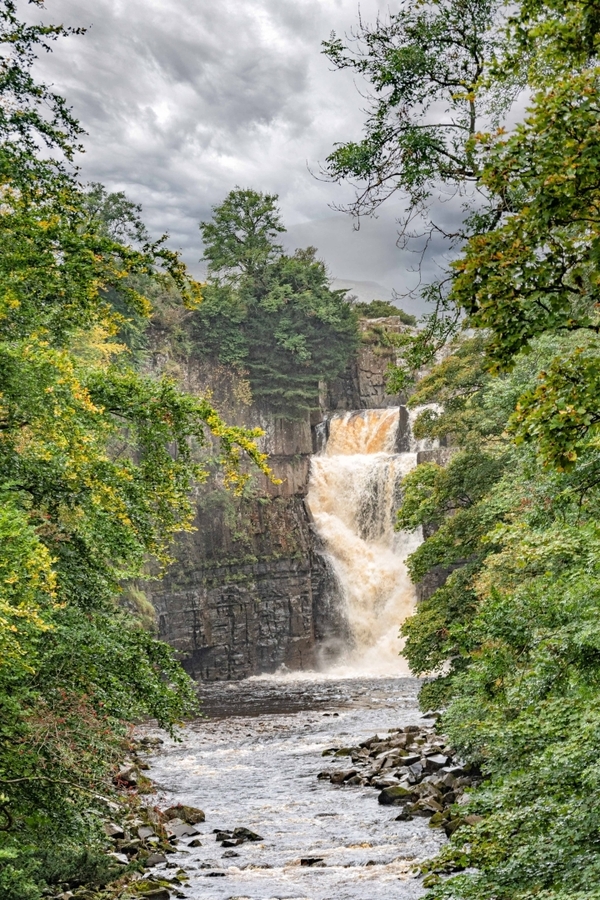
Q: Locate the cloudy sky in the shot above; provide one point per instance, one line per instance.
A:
(184, 99)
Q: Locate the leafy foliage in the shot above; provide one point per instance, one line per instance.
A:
(271, 315)
(513, 631)
(426, 70)
(96, 466)
(377, 309)
(424, 57)
(513, 628)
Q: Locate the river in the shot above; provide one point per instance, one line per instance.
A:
(253, 762)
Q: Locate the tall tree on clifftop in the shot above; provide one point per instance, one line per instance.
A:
(272, 315)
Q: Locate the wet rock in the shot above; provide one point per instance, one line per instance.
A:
(411, 759)
(130, 847)
(229, 854)
(384, 782)
(400, 741)
(325, 775)
(127, 777)
(311, 861)
(360, 755)
(435, 762)
(181, 829)
(430, 805)
(404, 817)
(159, 893)
(195, 843)
(340, 777)
(415, 810)
(190, 814)
(415, 770)
(452, 825)
(345, 751)
(246, 834)
(453, 770)
(427, 788)
(155, 859)
(438, 818)
(393, 795)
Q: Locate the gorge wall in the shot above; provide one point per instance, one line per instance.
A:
(250, 590)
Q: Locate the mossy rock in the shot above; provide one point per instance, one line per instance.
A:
(191, 815)
(393, 795)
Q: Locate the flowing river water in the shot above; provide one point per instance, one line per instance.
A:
(253, 761)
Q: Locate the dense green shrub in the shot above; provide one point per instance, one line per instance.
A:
(377, 309)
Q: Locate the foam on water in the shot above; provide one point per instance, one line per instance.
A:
(354, 493)
(253, 762)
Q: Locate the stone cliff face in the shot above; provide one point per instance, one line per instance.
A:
(250, 590)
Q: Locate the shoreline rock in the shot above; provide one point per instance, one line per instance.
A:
(413, 768)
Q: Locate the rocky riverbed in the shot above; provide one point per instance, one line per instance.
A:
(272, 828)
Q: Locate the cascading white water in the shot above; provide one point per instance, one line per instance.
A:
(354, 493)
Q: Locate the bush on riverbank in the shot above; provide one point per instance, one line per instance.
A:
(90, 488)
(512, 521)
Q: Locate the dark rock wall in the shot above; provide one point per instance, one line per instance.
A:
(250, 590)
(237, 605)
(363, 385)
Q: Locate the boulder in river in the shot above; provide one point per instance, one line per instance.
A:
(155, 859)
(246, 835)
(190, 814)
(394, 795)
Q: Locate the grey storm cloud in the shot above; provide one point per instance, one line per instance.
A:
(184, 99)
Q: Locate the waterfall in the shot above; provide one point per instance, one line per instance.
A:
(354, 493)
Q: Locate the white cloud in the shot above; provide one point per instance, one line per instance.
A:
(183, 99)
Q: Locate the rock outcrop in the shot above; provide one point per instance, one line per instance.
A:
(250, 590)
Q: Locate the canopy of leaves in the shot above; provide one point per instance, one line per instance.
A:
(271, 315)
(426, 57)
(429, 95)
(378, 309)
(513, 631)
(96, 467)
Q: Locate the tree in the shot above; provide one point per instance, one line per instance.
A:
(377, 309)
(426, 69)
(240, 239)
(536, 272)
(272, 315)
(510, 640)
(514, 628)
(96, 467)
